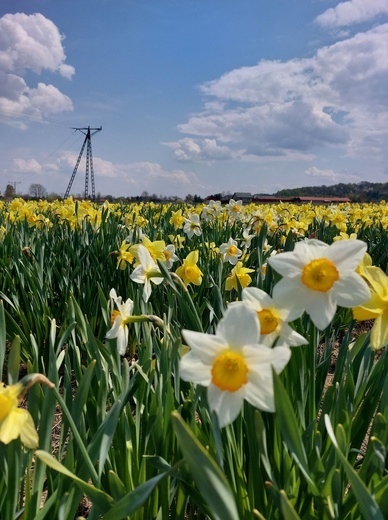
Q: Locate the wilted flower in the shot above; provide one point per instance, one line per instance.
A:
(317, 277)
(233, 365)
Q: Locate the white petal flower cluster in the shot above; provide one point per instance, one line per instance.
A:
(233, 364)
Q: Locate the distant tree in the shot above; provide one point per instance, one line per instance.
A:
(9, 191)
(37, 191)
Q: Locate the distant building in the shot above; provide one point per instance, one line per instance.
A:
(320, 200)
(243, 196)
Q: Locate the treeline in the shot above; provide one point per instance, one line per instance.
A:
(360, 192)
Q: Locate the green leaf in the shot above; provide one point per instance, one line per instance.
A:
(99, 497)
(285, 416)
(287, 508)
(368, 506)
(206, 473)
(14, 361)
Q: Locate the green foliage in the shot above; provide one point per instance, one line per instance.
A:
(133, 437)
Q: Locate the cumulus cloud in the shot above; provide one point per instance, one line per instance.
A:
(352, 12)
(26, 166)
(188, 149)
(336, 98)
(31, 43)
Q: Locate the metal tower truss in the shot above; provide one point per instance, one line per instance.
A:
(88, 132)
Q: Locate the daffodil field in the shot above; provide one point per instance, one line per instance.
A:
(193, 362)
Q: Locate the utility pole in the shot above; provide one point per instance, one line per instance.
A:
(88, 132)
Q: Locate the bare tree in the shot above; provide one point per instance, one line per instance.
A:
(37, 191)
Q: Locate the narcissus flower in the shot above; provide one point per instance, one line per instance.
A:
(273, 318)
(192, 226)
(120, 319)
(317, 277)
(238, 275)
(189, 271)
(230, 251)
(146, 272)
(376, 308)
(233, 365)
(17, 422)
(169, 256)
(124, 256)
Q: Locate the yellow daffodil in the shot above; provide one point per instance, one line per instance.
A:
(233, 365)
(238, 275)
(177, 219)
(376, 308)
(189, 271)
(14, 421)
(124, 256)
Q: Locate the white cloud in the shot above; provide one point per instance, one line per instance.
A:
(30, 166)
(337, 98)
(188, 149)
(111, 178)
(333, 176)
(31, 43)
(352, 12)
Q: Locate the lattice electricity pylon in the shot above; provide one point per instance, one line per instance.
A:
(89, 132)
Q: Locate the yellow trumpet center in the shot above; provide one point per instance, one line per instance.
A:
(229, 371)
(232, 250)
(114, 315)
(320, 275)
(268, 321)
(192, 273)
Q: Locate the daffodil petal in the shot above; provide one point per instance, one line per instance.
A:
(346, 254)
(351, 290)
(192, 368)
(205, 346)
(19, 423)
(379, 332)
(240, 326)
(227, 405)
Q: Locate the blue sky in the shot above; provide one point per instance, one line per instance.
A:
(194, 96)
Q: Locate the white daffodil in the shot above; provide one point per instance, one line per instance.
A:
(234, 208)
(192, 226)
(317, 277)
(146, 272)
(273, 318)
(170, 256)
(246, 239)
(120, 319)
(230, 251)
(211, 211)
(233, 365)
